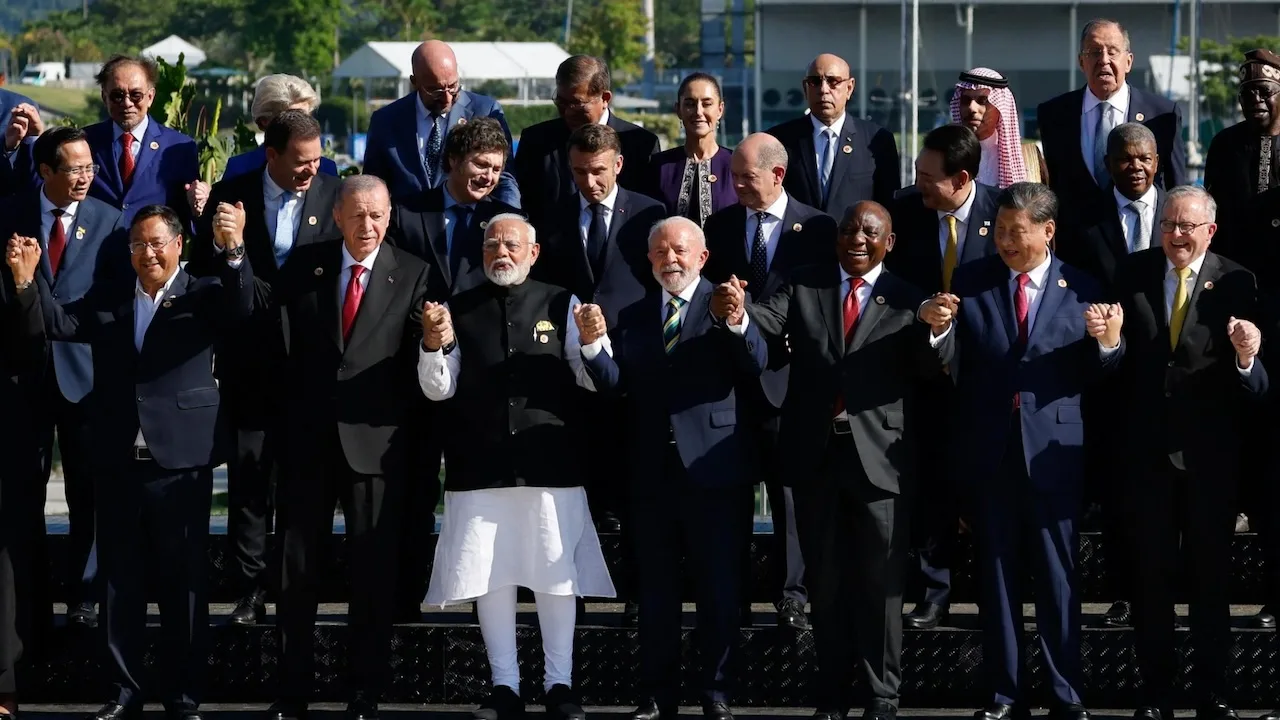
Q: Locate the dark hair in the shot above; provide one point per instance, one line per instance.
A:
(481, 135)
(587, 69)
(1096, 23)
(166, 215)
(110, 66)
(1129, 134)
(699, 76)
(593, 138)
(47, 150)
(959, 147)
(290, 125)
(1037, 200)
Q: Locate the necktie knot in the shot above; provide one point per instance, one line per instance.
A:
(597, 209)
(676, 303)
(1183, 273)
(127, 140)
(760, 216)
(855, 283)
(951, 223)
(58, 212)
(1137, 206)
(356, 272)
(1023, 280)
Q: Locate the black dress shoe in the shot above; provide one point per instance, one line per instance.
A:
(1273, 715)
(116, 711)
(362, 708)
(250, 610)
(284, 710)
(563, 704)
(1265, 619)
(83, 615)
(830, 714)
(999, 711)
(649, 710)
(631, 614)
(1119, 615)
(1216, 711)
(791, 615)
(502, 704)
(925, 616)
(879, 710)
(716, 711)
(1069, 712)
(185, 713)
(1153, 713)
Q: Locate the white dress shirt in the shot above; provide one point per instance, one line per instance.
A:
(137, 133)
(821, 141)
(272, 194)
(438, 373)
(772, 229)
(1131, 222)
(344, 277)
(144, 311)
(962, 225)
(989, 164)
(1119, 113)
(46, 219)
(584, 217)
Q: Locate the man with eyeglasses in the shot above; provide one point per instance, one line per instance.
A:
(407, 138)
(583, 96)
(1191, 378)
(837, 160)
(1074, 126)
(156, 432)
(515, 514)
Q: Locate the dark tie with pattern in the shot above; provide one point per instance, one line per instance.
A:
(759, 257)
(434, 144)
(57, 241)
(671, 324)
(127, 161)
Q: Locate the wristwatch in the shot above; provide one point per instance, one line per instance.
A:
(236, 253)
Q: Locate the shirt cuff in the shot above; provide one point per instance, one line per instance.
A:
(235, 264)
(1245, 371)
(1105, 352)
(936, 340)
(741, 328)
(592, 349)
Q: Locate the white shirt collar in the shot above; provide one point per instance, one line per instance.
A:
(1195, 265)
(47, 206)
(272, 189)
(608, 200)
(962, 212)
(818, 127)
(137, 132)
(348, 261)
(1037, 273)
(140, 293)
(604, 117)
(1149, 197)
(869, 278)
(1119, 101)
(777, 210)
(685, 294)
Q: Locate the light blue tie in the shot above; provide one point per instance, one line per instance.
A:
(828, 161)
(1100, 132)
(282, 242)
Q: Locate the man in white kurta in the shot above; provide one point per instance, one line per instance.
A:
(504, 361)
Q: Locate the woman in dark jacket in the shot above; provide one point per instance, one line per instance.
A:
(693, 180)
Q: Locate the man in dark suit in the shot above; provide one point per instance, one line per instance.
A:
(22, 124)
(837, 159)
(407, 138)
(1190, 376)
(857, 355)
(1074, 126)
(83, 246)
(354, 308)
(678, 367)
(157, 432)
(287, 205)
(1025, 330)
(583, 92)
(762, 239)
(945, 220)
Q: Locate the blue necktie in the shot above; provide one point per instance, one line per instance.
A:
(434, 145)
(282, 241)
(671, 325)
(457, 237)
(1100, 133)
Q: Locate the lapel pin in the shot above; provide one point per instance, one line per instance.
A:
(390, 279)
(462, 121)
(168, 303)
(846, 149)
(1139, 117)
(80, 233)
(879, 299)
(1208, 284)
(797, 227)
(155, 145)
(982, 231)
(1062, 282)
(1275, 222)
(711, 178)
(542, 339)
(484, 224)
(319, 272)
(311, 220)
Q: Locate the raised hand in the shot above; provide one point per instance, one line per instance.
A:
(590, 322)
(228, 226)
(437, 326)
(939, 312)
(35, 124)
(728, 301)
(1246, 338)
(23, 257)
(197, 196)
(16, 127)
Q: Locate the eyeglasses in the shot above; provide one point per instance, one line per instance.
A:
(117, 97)
(437, 93)
(1259, 91)
(573, 104)
(831, 81)
(512, 246)
(79, 171)
(1109, 52)
(1185, 228)
(136, 248)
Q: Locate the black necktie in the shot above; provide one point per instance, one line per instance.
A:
(597, 235)
(759, 256)
(457, 245)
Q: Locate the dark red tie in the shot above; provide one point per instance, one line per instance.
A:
(1021, 308)
(351, 303)
(57, 241)
(850, 325)
(126, 158)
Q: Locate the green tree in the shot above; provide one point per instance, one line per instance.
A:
(1218, 88)
(677, 30)
(613, 30)
(303, 33)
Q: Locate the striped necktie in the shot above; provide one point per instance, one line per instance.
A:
(671, 325)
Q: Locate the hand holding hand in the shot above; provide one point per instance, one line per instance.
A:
(197, 196)
(1104, 322)
(1246, 338)
(590, 321)
(228, 226)
(23, 256)
(437, 326)
(728, 302)
(939, 312)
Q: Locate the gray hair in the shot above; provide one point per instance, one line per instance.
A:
(512, 218)
(276, 93)
(1130, 133)
(772, 154)
(1198, 194)
(675, 223)
(1098, 23)
(1036, 200)
(361, 184)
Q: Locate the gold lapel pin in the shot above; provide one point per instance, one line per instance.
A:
(1208, 284)
(484, 224)
(80, 233)
(797, 227)
(1139, 117)
(311, 220)
(879, 299)
(168, 303)
(390, 279)
(847, 149)
(542, 339)
(1062, 282)
(711, 178)
(462, 121)
(319, 272)
(982, 231)
(155, 145)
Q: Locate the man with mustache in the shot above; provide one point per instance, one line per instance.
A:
(983, 102)
(1074, 126)
(510, 349)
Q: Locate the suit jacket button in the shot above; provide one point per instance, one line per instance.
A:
(1168, 394)
(55, 296)
(1170, 363)
(124, 206)
(342, 367)
(139, 398)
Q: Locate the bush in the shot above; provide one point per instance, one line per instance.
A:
(520, 117)
(334, 115)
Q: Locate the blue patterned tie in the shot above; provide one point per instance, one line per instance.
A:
(434, 145)
(671, 326)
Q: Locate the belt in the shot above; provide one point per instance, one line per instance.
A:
(142, 454)
(840, 426)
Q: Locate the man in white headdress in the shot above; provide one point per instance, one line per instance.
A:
(984, 103)
(503, 359)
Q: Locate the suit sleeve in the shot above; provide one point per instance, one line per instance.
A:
(202, 255)
(17, 168)
(375, 149)
(751, 353)
(25, 351)
(770, 317)
(508, 190)
(413, 325)
(1177, 166)
(186, 159)
(62, 322)
(884, 150)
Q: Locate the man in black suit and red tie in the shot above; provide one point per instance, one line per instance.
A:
(1074, 126)
(761, 240)
(837, 159)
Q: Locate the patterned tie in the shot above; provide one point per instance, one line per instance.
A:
(1142, 231)
(850, 326)
(828, 160)
(759, 256)
(57, 241)
(127, 162)
(671, 325)
(282, 241)
(1181, 302)
(351, 303)
(952, 256)
(1100, 132)
(1022, 309)
(434, 145)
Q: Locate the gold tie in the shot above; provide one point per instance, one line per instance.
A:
(1180, 302)
(949, 258)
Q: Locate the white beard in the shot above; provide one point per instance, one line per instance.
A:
(508, 276)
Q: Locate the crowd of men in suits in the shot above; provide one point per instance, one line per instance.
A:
(593, 304)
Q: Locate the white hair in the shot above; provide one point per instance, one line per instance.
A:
(276, 93)
(674, 223)
(511, 217)
(1195, 193)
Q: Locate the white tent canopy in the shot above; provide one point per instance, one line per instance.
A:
(171, 47)
(477, 61)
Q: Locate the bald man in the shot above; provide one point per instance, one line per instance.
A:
(406, 138)
(836, 158)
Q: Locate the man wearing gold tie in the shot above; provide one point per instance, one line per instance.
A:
(1189, 375)
(946, 219)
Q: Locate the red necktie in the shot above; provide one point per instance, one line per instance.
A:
(126, 158)
(351, 303)
(850, 324)
(57, 241)
(1021, 308)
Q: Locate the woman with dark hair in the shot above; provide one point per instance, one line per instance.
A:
(693, 180)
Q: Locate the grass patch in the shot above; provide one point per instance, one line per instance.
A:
(64, 101)
(219, 506)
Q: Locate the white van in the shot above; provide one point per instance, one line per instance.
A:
(42, 73)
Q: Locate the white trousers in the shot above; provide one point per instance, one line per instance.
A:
(556, 617)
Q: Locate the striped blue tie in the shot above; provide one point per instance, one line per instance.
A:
(671, 326)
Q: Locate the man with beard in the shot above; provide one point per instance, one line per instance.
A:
(691, 468)
(983, 103)
(502, 359)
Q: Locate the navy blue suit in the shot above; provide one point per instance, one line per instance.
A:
(392, 153)
(154, 504)
(1025, 467)
(166, 163)
(690, 480)
(256, 159)
(865, 166)
(14, 169)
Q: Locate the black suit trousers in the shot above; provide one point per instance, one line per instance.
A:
(252, 474)
(417, 523)
(155, 523)
(24, 593)
(855, 538)
(319, 478)
(71, 424)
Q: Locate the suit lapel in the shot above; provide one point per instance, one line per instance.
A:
(377, 296)
(176, 290)
(872, 313)
(84, 219)
(31, 226)
(1051, 296)
(621, 211)
(1003, 298)
(1154, 293)
(1210, 272)
(310, 215)
(460, 110)
(148, 151)
(979, 231)
(808, 159)
(831, 298)
(329, 295)
(843, 160)
(1073, 133)
(1113, 234)
(103, 143)
(736, 247)
(406, 140)
(699, 314)
(437, 241)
